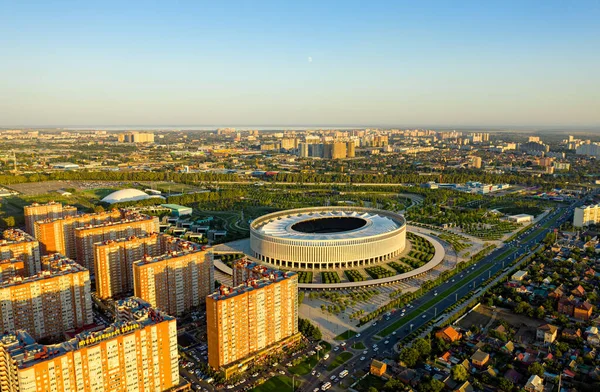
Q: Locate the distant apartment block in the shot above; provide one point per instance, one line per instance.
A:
(49, 303)
(253, 318)
(137, 354)
(51, 210)
(16, 244)
(176, 281)
(132, 224)
(136, 137)
(57, 235)
(585, 216)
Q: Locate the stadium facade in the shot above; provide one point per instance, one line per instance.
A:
(326, 238)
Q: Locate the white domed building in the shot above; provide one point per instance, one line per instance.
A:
(129, 194)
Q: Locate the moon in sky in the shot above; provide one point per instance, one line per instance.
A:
(309, 59)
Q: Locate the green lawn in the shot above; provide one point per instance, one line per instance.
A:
(339, 360)
(370, 381)
(345, 335)
(306, 365)
(358, 346)
(277, 384)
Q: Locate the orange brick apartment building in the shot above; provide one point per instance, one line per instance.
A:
(251, 319)
(138, 354)
(47, 304)
(178, 280)
(51, 210)
(58, 235)
(132, 224)
(17, 244)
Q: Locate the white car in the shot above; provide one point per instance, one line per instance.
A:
(393, 333)
(365, 352)
(343, 344)
(362, 358)
(424, 316)
(386, 342)
(358, 335)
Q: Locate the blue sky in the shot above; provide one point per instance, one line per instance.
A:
(521, 63)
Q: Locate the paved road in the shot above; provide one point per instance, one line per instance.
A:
(488, 266)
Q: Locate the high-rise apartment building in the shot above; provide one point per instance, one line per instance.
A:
(351, 149)
(58, 235)
(51, 210)
(49, 303)
(132, 224)
(138, 354)
(16, 244)
(476, 162)
(113, 262)
(10, 268)
(259, 315)
(175, 281)
(585, 216)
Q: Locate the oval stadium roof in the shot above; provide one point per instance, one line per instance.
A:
(122, 195)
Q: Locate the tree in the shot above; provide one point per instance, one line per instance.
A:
(431, 385)
(536, 368)
(409, 356)
(373, 389)
(505, 385)
(459, 373)
(9, 221)
(423, 347)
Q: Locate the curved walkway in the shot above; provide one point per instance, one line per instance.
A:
(438, 257)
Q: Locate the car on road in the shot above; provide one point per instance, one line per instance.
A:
(336, 348)
(343, 344)
(365, 352)
(435, 294)
(363, 358)
(393, 333)
(424, 316)
(386, 342)
(358, 335)
(313, 372)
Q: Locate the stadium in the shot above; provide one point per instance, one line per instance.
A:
(326, 238)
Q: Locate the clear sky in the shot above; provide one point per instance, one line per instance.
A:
(369, 63)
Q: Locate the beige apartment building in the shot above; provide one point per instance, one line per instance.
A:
(132, 224)
(51, 210)
(139, 354)
(587, 215)
(253, 318)
(58, 235)
(177, 280)
(49, 303)
(17, 244)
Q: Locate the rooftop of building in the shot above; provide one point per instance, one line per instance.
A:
(55, 265)
(120, 241)
(182, 248)
(26, 352)
(50, 203)
(127, 218)
(226, 292)
(13, 236)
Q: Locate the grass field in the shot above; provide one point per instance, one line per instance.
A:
(277, 384)
(339, 360)
(346, 335)
(358, 346)
(370, 381)
(306, 365)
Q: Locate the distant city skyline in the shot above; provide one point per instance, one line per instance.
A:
(348, 64)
